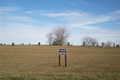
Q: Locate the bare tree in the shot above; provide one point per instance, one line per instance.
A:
(108, 43)
(50, 38)
(60, 34)
(93, 41)
(89, 41)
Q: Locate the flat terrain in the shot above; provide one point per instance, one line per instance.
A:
(41, 63)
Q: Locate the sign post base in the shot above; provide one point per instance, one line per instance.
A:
(59, 60)
(65, 60)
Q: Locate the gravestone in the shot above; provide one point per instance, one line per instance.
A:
(22, 43)
(1, 44)
(83, 43)
(39, 43)
(97, 45)
(13, 44)
(117, 45)
(55, 43)
(103, 45)
(68, 44)
(113, 44)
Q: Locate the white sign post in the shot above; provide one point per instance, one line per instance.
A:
(62, 52)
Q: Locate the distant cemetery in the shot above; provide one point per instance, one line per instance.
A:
(55, 43)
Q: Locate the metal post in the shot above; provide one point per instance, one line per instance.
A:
(59, 60)
(65, 60)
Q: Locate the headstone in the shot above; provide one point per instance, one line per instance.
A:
(113, 44)
(72, 44)
(117, 45)
(1, 44)
(93, 45)
(97, 45)
(13, 44)
(55, 43)
(39, 43)
(103, 45)
(22, 43)
(68, 44)
(83, 43)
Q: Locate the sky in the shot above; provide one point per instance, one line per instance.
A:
(28, 21)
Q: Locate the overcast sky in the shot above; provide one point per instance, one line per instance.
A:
(28, 21)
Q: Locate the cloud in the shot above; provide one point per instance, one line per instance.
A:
(37, 11)
(73, 3)
(28, 12)
(107, 36)
(118, 23)
(18, 28)
(23, 19)
(11, 18)
(85, 18)
(21, 32)
(116, 12)
(100, 34)
(84, 2)
(76, 3)
(66, 14)
(81, 18)
(3, 9)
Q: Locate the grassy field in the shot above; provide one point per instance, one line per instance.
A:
(41, 63)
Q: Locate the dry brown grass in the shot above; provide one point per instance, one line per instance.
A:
(41, 62)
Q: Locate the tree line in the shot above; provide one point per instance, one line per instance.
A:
(59, 36)
(89, 41)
